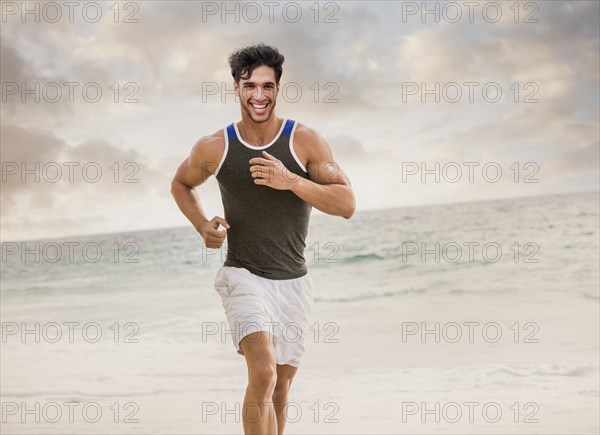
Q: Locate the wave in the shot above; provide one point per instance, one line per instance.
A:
(366, 296)
(594, 297)
(362, 257)
(546, 370)
(80, 396)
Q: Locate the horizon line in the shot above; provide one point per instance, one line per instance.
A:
(319, 213)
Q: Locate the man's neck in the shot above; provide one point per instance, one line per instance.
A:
(259, 134)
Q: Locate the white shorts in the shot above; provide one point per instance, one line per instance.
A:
(280, 307)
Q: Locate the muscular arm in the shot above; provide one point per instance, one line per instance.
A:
(328, 187)
(194, 171)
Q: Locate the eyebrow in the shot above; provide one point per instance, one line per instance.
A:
(253, 83)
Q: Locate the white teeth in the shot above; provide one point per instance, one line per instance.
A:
(259, 107)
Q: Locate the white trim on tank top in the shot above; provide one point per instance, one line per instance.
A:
(292, 148)
(239, 136)
(224, 152)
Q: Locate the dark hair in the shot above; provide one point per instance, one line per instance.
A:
(243, 62)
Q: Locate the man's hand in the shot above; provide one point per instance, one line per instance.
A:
(271, 172)
(213, 238)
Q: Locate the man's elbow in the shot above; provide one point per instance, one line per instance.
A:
(175, 186)
(350, 209)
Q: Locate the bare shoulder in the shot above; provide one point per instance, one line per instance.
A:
(202, 161)
(309, 143)
(208, 150)
(313, 149)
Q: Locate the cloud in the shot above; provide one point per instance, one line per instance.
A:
(359, 64)
(45, 179)
(347, 149)
(578, 160)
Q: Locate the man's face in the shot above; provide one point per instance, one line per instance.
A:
(258, 94)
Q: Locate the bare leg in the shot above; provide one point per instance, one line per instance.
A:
(285, 374)
(258, 413)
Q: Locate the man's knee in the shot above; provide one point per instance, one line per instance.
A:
(285, 375)
(282, 386)
(280, 393)
(263, 377)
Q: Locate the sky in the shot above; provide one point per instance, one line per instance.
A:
(421, 102)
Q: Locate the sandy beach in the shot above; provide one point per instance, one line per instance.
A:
(396, 346)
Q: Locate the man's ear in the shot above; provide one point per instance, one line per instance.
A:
(238, 91)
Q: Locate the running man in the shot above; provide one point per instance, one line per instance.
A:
(271, 172)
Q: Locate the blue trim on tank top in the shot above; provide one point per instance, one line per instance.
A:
(231, 131)
(289, 126)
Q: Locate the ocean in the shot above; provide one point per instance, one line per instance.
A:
(478, 317)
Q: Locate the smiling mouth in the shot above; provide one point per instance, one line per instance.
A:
(259, 107)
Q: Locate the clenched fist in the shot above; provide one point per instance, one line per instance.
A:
(213, 238)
